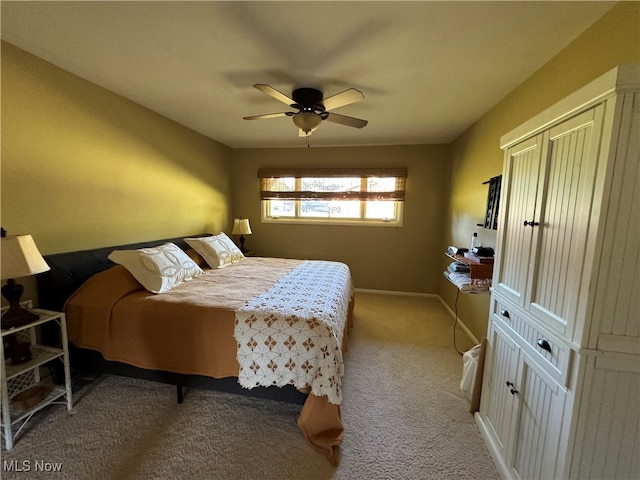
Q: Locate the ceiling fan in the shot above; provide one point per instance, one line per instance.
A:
(311, 108)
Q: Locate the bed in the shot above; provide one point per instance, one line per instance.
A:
(262, 323)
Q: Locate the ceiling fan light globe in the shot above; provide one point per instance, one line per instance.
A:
(307, 121)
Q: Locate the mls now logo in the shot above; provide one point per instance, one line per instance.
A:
(29, 466)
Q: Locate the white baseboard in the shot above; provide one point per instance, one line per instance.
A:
(464, 328)
(395, 292)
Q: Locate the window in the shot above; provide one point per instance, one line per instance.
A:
(347, 196)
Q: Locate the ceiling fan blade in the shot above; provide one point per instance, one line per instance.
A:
(344, 120)
(269, 115)
(343, 98)
(274, 93)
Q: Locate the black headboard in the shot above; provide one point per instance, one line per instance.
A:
(70, 270)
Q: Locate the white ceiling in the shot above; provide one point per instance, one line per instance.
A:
(428, 70)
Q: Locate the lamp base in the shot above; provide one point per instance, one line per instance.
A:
(16, 317)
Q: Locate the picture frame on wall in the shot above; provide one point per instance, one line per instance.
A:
(493, 201)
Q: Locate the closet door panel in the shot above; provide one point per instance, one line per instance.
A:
(522, 163)
(563, 214)
(502, 362)
(539, 424)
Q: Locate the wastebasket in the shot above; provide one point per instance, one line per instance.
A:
(472, 369)
(469, 369)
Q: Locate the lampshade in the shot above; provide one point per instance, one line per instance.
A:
(307, 121)
(20, 257)
(241, 227)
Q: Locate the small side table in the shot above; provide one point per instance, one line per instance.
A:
(17, 378)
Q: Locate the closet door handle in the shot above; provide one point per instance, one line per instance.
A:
(531, 223)
(505, 313)
(544, 344)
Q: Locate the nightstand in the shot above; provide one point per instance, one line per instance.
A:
(18, 378)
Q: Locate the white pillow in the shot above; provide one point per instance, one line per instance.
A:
(218, 251)
(158, 269)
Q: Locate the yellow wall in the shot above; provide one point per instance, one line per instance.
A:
(476, 155)
(382, 258)
(83, 167)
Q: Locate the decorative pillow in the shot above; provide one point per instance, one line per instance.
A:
(218, 251)
(158, 269)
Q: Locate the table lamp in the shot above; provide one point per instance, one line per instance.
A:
(241, 227)
(20, 258)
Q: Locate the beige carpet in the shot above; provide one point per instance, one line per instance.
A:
(404, 415)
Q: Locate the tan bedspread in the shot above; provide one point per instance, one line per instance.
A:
(189, 329)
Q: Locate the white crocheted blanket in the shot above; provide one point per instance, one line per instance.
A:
(292, 334)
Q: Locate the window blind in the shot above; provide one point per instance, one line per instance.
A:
(332, 183)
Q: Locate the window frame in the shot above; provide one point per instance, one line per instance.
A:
(363, 196)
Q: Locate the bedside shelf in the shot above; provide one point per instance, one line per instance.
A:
(479, 271)
(54, 393)
(39, 356)
(477, 281)
(18, 378)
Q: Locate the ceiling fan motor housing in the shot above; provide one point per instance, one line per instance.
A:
(308, 99)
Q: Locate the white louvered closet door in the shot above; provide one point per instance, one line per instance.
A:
(522, 167)
(539, 423)
(523, 407)
(500, 408)
(563, 212)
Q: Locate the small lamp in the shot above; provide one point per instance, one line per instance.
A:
(20, 258)
(241, 227)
